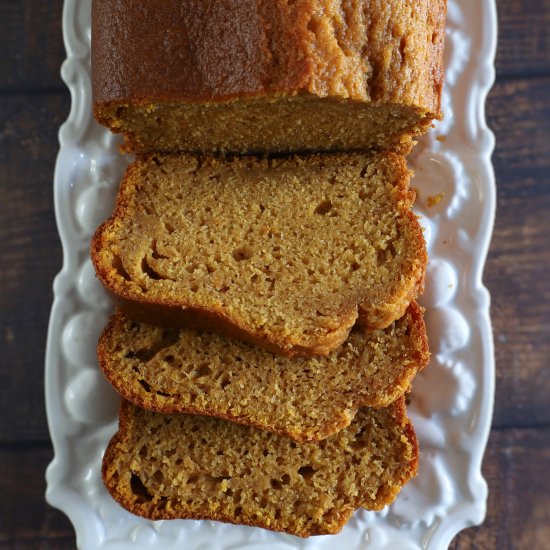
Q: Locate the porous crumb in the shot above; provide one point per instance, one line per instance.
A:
(286, 253)
(307, 399)
(182, 466)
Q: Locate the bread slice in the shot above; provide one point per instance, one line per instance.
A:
(284, 253)
(306, 399)
(287, 76)
(183, 466)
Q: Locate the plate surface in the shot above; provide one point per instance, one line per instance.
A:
(452, 400)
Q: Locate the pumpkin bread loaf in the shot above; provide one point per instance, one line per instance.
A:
(286, 253)
(184, 466)
(306, 399)
(267, 75)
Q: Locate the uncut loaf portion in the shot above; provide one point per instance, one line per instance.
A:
(307, 399)
(184, 466)
(285, 253)
(267, 75)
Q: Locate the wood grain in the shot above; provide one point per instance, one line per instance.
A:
(517, 111)
(31, 45)
(516, 467)
(27, 522)
(524, 40)
(30, 255)
(519, 260)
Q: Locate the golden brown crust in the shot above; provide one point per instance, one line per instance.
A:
(134, 61)
(372, 317)
(124, 452)
(171, 50)
(437, 19)
(320, 404)
(421, 337)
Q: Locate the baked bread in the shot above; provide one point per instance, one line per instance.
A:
(266, 75)
(285, 253)
(184, 466)
(307, 399)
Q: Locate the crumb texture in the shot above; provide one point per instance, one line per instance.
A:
(182, 466)
(176, 370)
(286, 252)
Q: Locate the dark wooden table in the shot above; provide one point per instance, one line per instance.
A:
(33, 104)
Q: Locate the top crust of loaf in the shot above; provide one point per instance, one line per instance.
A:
(383, 51)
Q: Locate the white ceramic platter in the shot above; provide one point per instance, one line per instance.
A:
(452, 399)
